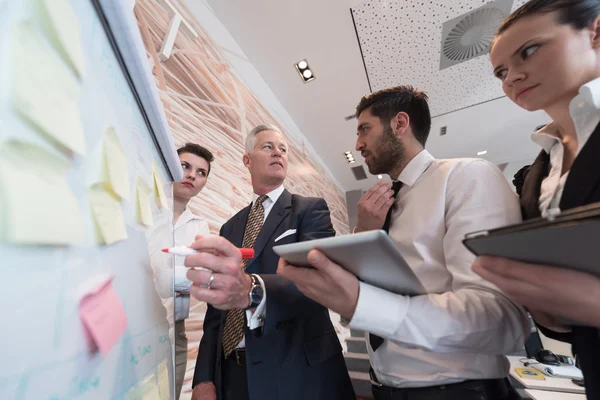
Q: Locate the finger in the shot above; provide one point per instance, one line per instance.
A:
(199, 276)
(520, 291)
(385, 207)
(214, 297)
(223, 265)
(379, 187)
(218, 243)
(320, 262)
(383, 198)
(514, 269)
(292, 273)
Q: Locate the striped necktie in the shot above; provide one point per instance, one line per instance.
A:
(233, 332)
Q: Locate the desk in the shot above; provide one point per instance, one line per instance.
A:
(546, 395)
(550, 384)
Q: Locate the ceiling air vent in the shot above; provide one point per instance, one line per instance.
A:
(470, 35)
(359, 173)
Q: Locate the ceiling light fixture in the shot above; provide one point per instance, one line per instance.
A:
(304, 70)
(349, 157)
(482, 153)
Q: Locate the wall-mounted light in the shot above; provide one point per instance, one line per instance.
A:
(379, 176)
(482, 153)
(349, 157)
(304, 70)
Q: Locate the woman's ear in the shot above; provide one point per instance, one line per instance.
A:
(594, 29)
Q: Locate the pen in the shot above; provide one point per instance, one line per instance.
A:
(186, 251)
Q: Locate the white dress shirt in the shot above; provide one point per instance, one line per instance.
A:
(585, 111)
(186, 228)
(257, 316)
(463, 326)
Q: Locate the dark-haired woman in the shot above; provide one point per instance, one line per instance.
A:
(547, 56)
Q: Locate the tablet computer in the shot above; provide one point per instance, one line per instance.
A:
(371, 256)
(568, 240)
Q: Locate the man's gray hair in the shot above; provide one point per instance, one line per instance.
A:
(251, 138)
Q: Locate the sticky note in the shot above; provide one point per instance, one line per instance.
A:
(44, 91)
(103, 316)
(63, 27)
(108, 215)
(163, 381)
(36, 202)
(144, 207)
(159, 191)
(145, 390)
(114, 174)
(529, 373)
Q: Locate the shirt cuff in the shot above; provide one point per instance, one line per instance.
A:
(379, 311)
(182, 284)
(256, 316)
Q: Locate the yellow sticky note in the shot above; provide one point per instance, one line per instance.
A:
(163, 381)
(108, 215)
(44, 91)
(115, 175)
(63, 27)
(159, 191)
(145, 390)
(36, 202)
(144, 207)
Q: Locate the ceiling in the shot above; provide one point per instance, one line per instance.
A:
(401, 41)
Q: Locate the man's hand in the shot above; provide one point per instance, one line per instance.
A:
(373, 207)
(230, 285)
(328, 284)
(544, 290)
(204, 391)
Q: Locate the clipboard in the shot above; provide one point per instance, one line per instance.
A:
(568, 240)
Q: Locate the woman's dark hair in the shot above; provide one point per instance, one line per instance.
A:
(199, 151)
(577, 13)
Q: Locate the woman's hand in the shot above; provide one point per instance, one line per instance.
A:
(548, 292)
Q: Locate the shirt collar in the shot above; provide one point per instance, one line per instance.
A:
(585, 111)
(272, 195)
(185, 217)
(415, 168)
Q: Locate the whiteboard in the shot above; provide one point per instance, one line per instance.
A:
(44, 354)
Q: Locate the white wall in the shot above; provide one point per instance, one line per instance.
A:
(244, 69)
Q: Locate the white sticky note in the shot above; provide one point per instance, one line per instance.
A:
(108, 215)
(144, 207)
(65, 34)
(159, 191)
(36, 202)
(114, 171)
(145, 390)
(44, 90)
(163, 381)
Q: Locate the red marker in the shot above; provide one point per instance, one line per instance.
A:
(186, 251)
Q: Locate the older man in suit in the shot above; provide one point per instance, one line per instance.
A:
(263, 339)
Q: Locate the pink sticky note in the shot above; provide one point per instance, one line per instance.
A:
(103, 316)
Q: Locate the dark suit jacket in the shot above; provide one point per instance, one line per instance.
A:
(296, 354)
(581, 188)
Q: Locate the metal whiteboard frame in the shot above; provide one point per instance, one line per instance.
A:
(120, 26)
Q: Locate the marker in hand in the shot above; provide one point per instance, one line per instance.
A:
(186, 251)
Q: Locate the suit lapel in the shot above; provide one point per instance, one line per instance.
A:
(584, 175)
(239, 227)
(278, 213)
(532, 186)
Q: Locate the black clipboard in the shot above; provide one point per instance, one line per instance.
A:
(570, 240)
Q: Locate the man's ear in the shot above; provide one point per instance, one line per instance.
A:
(400, 124)
(246, 160)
